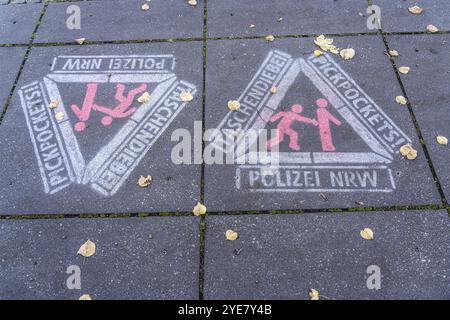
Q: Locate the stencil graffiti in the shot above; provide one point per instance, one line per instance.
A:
(339, 102)
(55, 141)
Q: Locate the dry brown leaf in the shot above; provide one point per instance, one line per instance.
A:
(186, 96)
(80, 40)
(231, 235)
(314, 294)
(85, 297)
(432, 29)
(366, 233)
(274, 90)
(394, 53)
(192, 2)
(145, 7)
(87, 249)
(53, 104)
(408, 151)
(199, 209)
(401, 100)
(270, 38)
(326, 44)
(144, 182)
(442, 140)
(59, 116)
(404, 70)
(415, 10)
(234, 105)
(144, 98)
(347, 53)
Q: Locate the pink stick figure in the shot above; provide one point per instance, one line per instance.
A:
(284, 127)
(324, 117)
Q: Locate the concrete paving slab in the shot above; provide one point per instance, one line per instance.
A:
(233, 18)
(358, 163)
(135, 258)
(17, 22)
(122, 20)
(427, 89)
(395, 16)
(86, 155)
(10, 60)
(284, 256)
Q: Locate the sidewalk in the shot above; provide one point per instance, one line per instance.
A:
(69, 174)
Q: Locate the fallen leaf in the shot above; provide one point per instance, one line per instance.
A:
(234, 105)
(144, 182)
(231, 235)
(144, 98)
(442, 140)
(432, 29)
(404, 70)
(347, 53)
(186, 96)
(415, 10)
(326, 44)
(366, 233)
(323, 196)
(145, 7)
(280, 19)
(80, 40)
(408, 151)
(251, 26)
(53, 104)
(87, 249)
(274, 90)
(394, 53)
(401, 100)
(192, 2)
(199, 209)
(359, 203)
(59, 116)
(318, 53)
(85, 297)
(314, 294)
(270, 37)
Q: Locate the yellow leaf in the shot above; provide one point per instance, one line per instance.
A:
(408, 151)
(394, 53)
(231, 235)
(404, 70)
(347, 53)
(59, 116)
(85, 297)
(326, 44)
(314, 294)
(270, 37)
(144, 98)
(145, 7)
(87, 249)
(442, 140)
(366, 233)
(53, 104)
(234, 105)
(432, 29)
(199, 209)
(401, 100)
(415, 10)
(186, 96)
(274, 90)
(144, 182)
(318, 53)
(80, 40)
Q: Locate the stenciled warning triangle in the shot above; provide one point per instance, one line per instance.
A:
(352, 103)
(114, 162)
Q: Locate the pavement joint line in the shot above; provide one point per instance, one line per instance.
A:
(417, 126)
(433, 207)
(22, 65)
(202, 229)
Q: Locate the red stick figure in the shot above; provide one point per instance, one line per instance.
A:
(122, 110)
(284, 127)
(324, 117)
